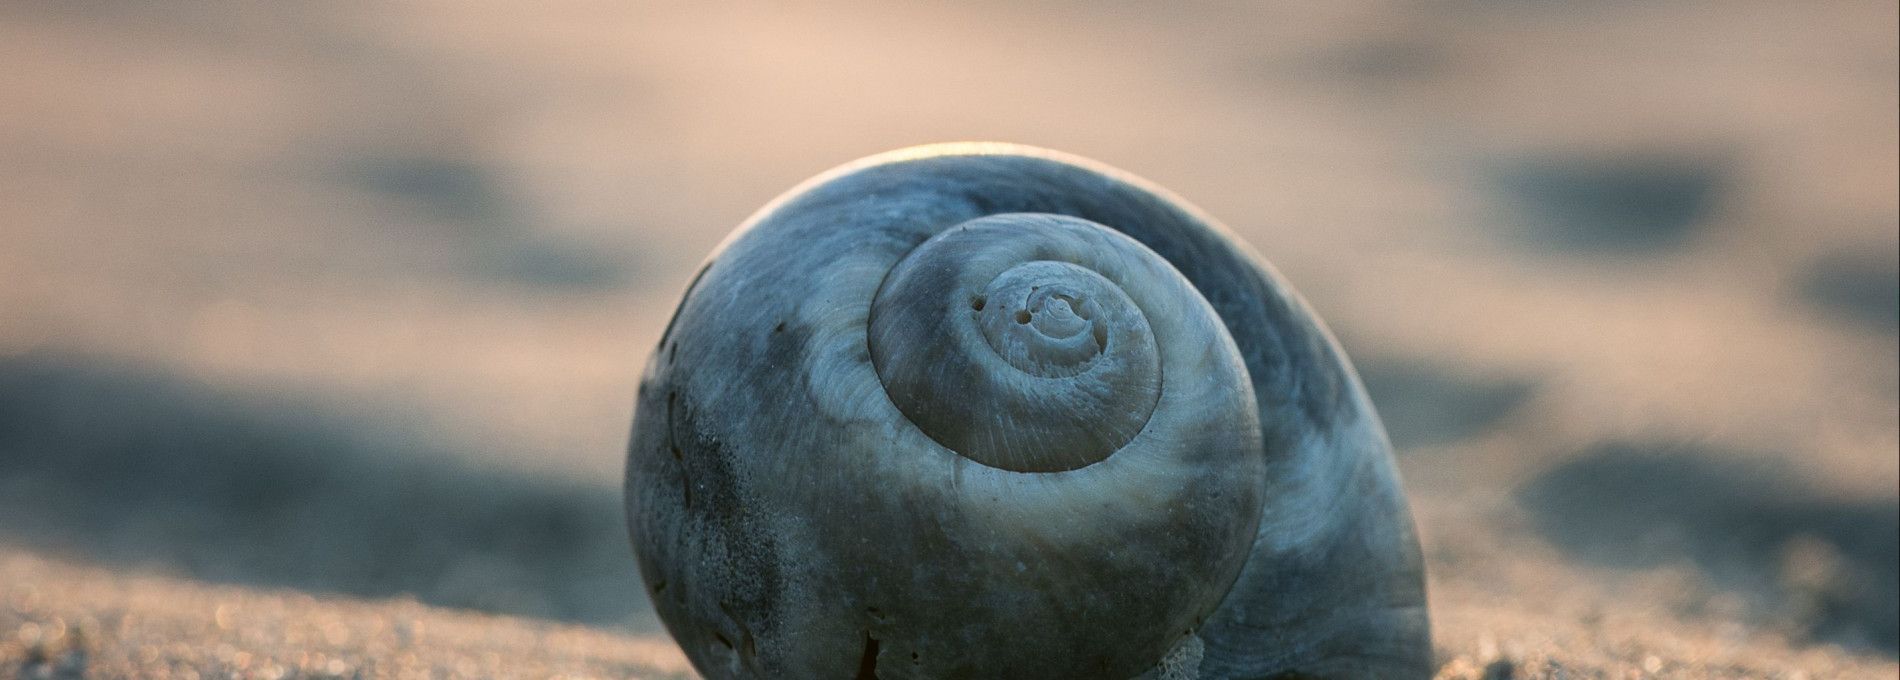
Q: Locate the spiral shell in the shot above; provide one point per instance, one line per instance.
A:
(988, 411)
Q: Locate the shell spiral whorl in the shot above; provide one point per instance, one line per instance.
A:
(990, 412)
(1011, 340)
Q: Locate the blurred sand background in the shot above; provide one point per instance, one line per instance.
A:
(320, 322)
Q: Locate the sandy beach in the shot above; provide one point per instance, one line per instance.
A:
(320, 325)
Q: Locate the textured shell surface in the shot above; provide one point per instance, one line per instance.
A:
(989, 411)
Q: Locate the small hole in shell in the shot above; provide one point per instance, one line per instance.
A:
(976, 303)
(1022, 316)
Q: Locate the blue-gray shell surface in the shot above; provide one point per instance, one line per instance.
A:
(831, 474)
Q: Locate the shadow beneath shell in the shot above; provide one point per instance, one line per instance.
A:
(123, 466)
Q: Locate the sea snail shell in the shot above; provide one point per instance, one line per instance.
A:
(987, 411)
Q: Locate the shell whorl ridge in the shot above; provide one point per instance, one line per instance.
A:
(990, 411)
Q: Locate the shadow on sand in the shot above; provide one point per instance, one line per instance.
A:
(127, 467)
(1859, 285)
(491, 226)
(1613, 204)
(1825, 568)
(1423, 403)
